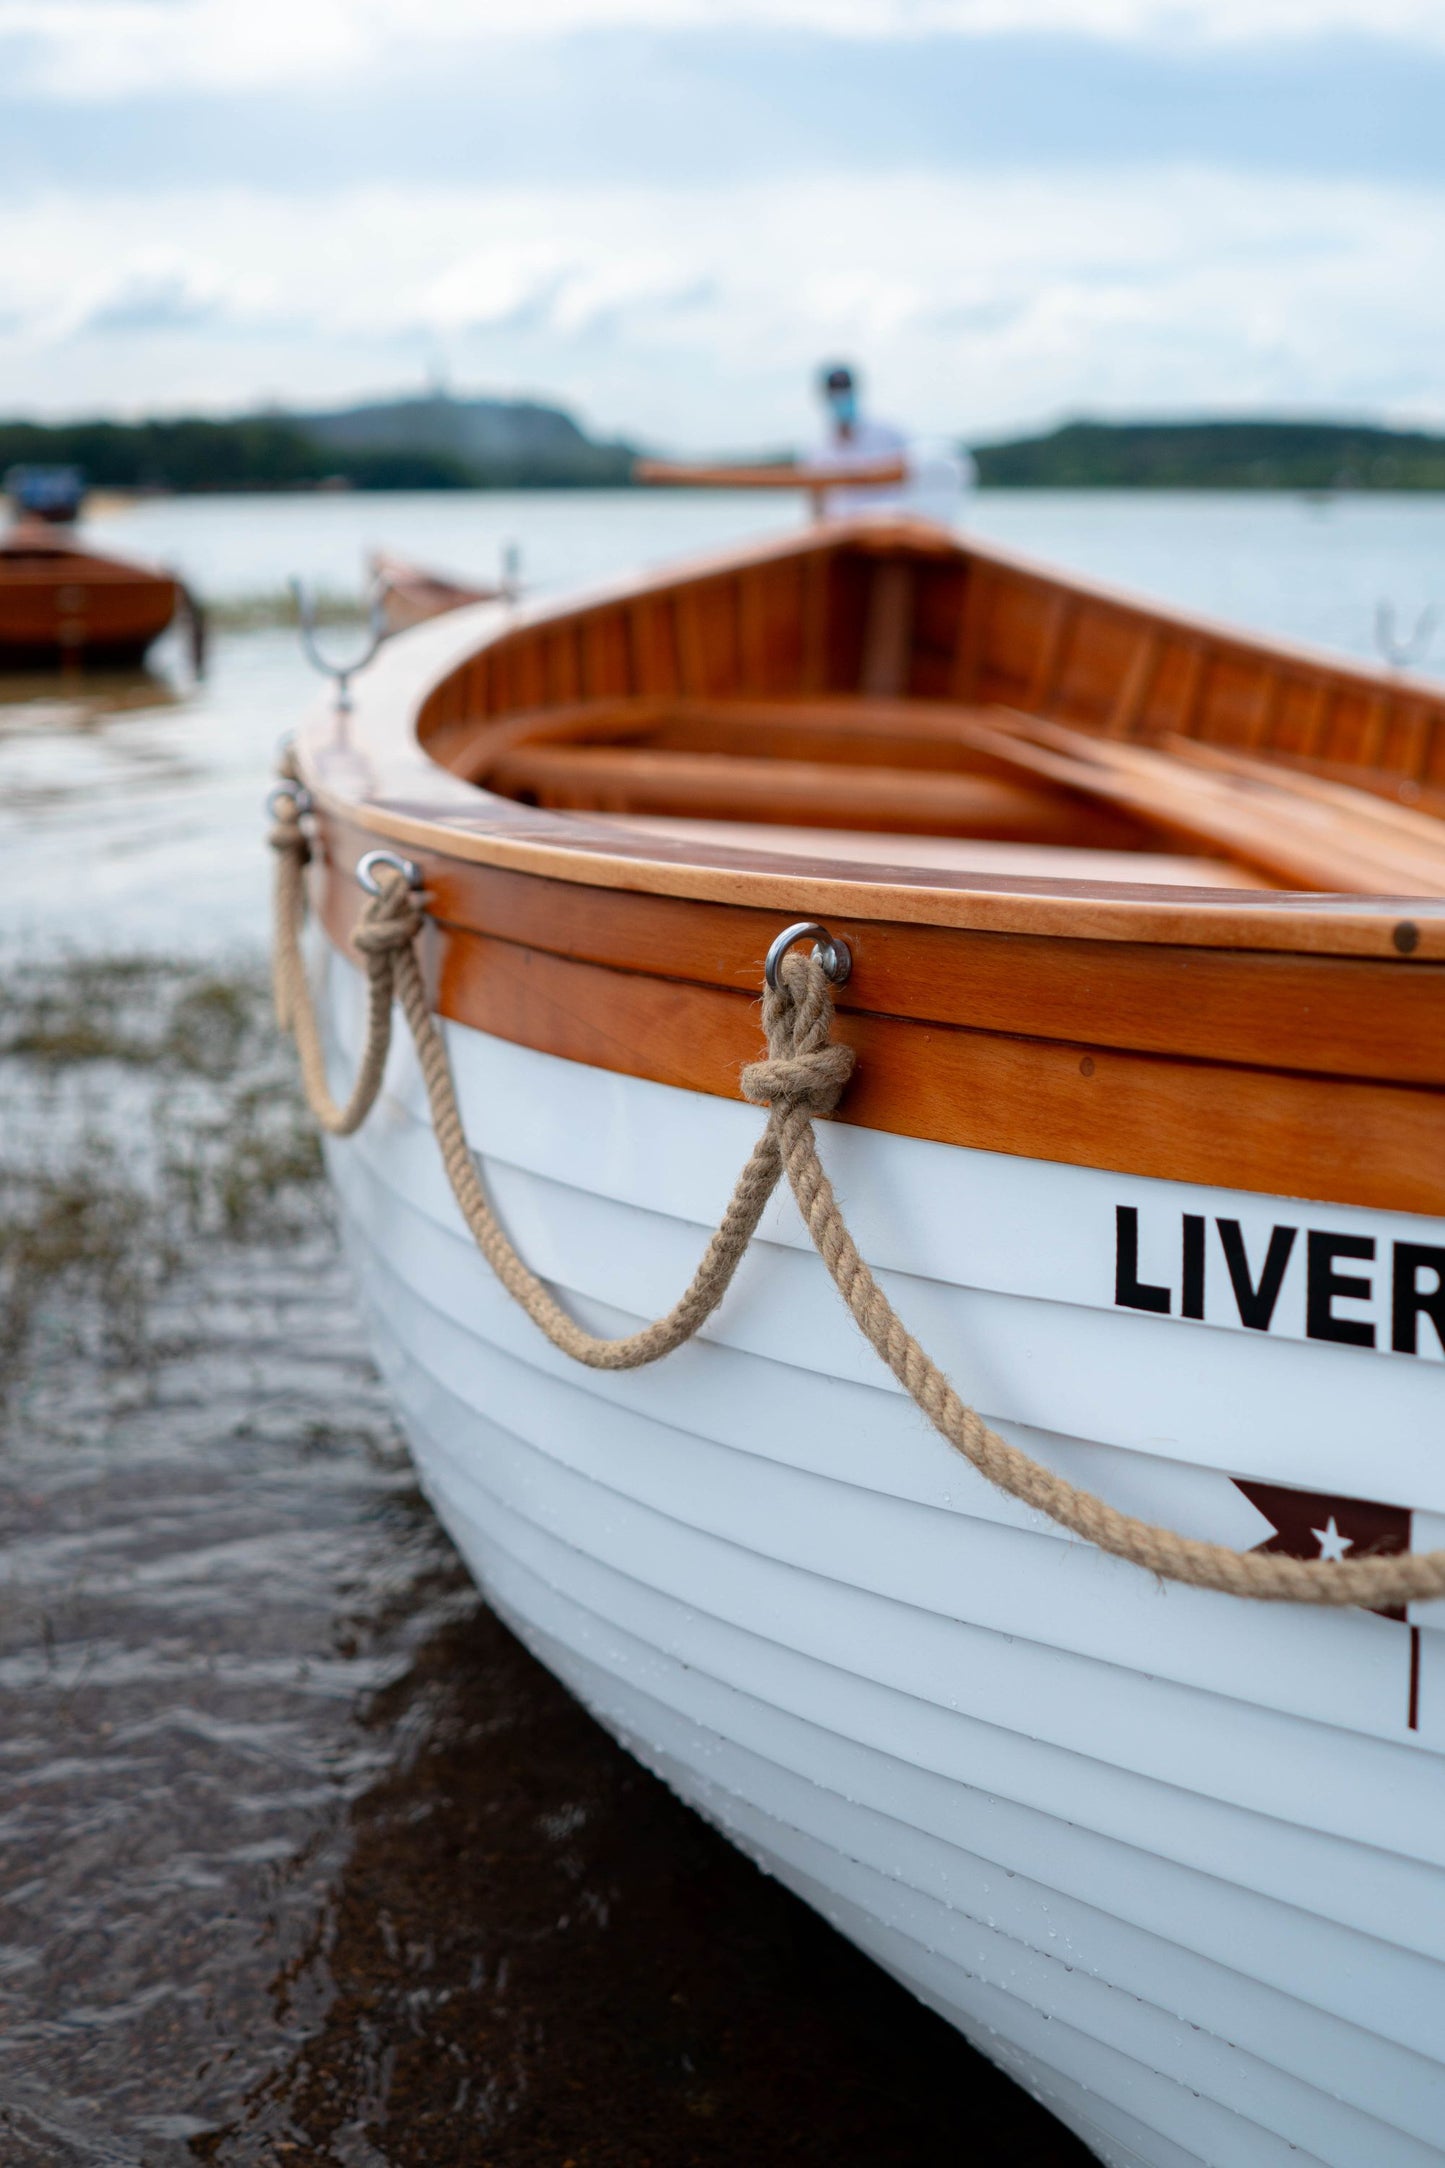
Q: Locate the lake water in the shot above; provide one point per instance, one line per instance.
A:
(305, 1860)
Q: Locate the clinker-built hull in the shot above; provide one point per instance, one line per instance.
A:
(1145, 1143)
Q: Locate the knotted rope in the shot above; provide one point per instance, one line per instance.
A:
(803, 1076)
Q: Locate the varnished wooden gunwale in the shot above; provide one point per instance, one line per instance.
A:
(1339, 1016)
(988, 1039)
(1073, 1098)
(1288, 1044)
(569, 847)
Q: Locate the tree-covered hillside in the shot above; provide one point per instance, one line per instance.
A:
(1216, 455)
(408, 444)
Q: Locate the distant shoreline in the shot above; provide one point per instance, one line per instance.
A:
(444, 444)
(1313, 458)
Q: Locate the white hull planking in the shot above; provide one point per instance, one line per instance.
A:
(1173, 1860)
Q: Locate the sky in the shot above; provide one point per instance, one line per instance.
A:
(665, 213)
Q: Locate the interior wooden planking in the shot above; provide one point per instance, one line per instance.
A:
(921, 618)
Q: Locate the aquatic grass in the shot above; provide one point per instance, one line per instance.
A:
(76, 1267)
(154, 1112)
(240, 1171)
(269, 608)
(141, 1012)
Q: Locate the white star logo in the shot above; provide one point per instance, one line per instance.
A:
(1332, 1544)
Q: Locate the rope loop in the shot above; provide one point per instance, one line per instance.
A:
(285, 804)
(803, 1076)
(391, 919)
(806, 1069)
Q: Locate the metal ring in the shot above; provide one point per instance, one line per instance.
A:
(366, 870)
(296, 795)
(831, 950)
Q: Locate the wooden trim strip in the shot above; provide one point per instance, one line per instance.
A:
(1080, 1104)
(565, 847)
(1339, 1016)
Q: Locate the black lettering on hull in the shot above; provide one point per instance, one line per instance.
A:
(1416, 1291)
(1256, 1302)
(1410, 1302)
(1324, 1287)
(1130, 1292)
(1191, 1295)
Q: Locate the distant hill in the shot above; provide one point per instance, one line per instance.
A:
(1216, 455)
(514, 443)
(433, 443)
(254, 452)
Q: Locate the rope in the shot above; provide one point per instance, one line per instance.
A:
(803, 1076)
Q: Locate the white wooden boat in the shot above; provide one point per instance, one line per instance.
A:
(1146, 1142)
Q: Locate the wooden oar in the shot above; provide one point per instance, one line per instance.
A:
(1360, 801)
(674, 474)
(1262, 820)
(1265, 822)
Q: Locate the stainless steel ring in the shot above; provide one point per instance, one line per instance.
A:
(831, 950)
(292, 794)
(366, 870)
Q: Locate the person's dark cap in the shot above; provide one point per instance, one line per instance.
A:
(838, 378)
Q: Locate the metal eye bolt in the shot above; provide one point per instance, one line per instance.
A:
(366, 870)
(831, 950)
(295, 795)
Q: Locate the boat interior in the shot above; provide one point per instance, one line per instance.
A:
(881, 692)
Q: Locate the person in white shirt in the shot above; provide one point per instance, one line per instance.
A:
(900, 476)
(861, 466)
(856, 441)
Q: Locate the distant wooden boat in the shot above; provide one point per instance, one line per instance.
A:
(62, 602)
(410, 594)
(1147, 1143)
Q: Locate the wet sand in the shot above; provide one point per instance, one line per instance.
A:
(306, 1860)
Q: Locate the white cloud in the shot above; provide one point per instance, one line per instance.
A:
(975, 302)
(155, 291)
(114, 49)
(493, 285)
(78, 49)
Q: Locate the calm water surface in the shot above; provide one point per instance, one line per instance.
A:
(303, 1859)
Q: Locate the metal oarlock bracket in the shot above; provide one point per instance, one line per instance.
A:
(341, 674)
(831, 950)
(1404, 654)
